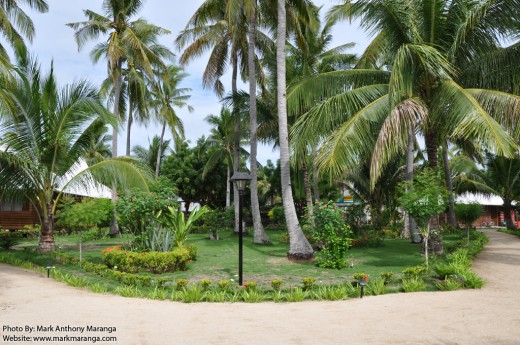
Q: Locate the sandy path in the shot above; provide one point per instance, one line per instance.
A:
(487, 316)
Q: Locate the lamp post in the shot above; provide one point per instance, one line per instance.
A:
(241, 179)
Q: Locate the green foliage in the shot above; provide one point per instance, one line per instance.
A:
(95, 234)
(137, 209)
(308, 283)
(192, 294)
(425, 197)
(276, 284)
(250, 286)
(468, 213)
(296, 295)
(9, 239)
(154, 262)
(158, 294)
(415, 272)
(223, 284)
(386, 276)
(368, 239)
(128, 291)
(98, 288)
(471, 279)
(359, 276)
(181, 227)
(205, 284)
(330, 293)
(449, 284)
(277, 215)
(413, 284)
(181, 284)
(376, 287)
(252, 296)
(329, 228)
(87, 214)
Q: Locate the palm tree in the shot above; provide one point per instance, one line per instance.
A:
(149, 156)
(299, 247)
(500, 176)
(15, 25)
(166, 96)
(48, 133)
(124, 36)
(222, 139)
(99, 147)
(369, 114)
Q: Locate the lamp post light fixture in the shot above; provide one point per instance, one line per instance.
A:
(362, 284)
(241, 179)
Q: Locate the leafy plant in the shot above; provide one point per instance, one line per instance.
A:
(98, 288)
(181, 284)
(250, 286)
(308, 283)
(9, 239)
(181, 227)
(413, 284)
(158, 294)
(360, 276)
(330, 293)
(449, 284)
(376, 287)
(205, 284)
(276, 284)
(223, 285)
(193, 293)
(87, 214)
(415, 271)
(467, 214)
(296, 295)
(216, 296)
(386, 276)
(328, 227)
(128, 291)
(252, 296)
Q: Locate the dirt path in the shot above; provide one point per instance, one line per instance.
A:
(487, 316)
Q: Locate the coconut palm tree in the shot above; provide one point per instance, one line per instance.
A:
(369, 114)
(17, 25)
(99, 147)
(45, 139)
(149, 156)
(166, 97)
(222, 140)
(123, 36)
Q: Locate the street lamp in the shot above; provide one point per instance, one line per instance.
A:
(241, 179)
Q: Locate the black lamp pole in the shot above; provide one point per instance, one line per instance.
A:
(241, 179)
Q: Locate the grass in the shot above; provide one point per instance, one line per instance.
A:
(510, 232)
(217, 264)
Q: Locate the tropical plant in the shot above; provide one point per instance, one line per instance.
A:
(152, 155)
(424, 198)
(180, 226)
(45, 139)
(468, 213)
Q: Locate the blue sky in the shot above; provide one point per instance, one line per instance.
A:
(55, 41)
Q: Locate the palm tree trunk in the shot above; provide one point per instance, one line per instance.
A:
(260, 236)
(236, 146)
(430, 139)
(299, 247)
(449, 184)
(228, 187)
(159, 152)
(129, 128)
(308, 191)
(507, 215)
(46, 243)
(315, 180)
(114, 227)
(412, 231)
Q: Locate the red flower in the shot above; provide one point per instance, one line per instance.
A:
(366, 238)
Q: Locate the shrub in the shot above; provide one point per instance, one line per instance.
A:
(277, 215)
(175, 219)
(449, 284)
(376, 287)
(386, 276)
(415, 271)
(471, 279)
(9, 239)
(94, 234)
(329, 229)
(252, 296)
(330, 293)
(308, 283)
(296, 295)
(413, 284)
(154, 262)
(276, 284)
(468, 213)
(223, 285)
(192, 294)
(359, 276)
(250, 286)
(181, 284)
(88, 214)
(205, 284)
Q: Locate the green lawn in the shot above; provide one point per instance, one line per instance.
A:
(219, 259)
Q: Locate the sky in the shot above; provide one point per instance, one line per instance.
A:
(54, 41)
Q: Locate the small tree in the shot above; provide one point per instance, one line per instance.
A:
(423, 198)
(468, 213)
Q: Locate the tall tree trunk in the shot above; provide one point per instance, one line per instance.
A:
(46, 243)
(236, 146)
(260, 236)
(412, 231)
(159, 151)
(299, 247)
(114, 227)
(449, 184)
(315, 177)
(129, 128)
(308, 192)
(430, 139)
(228, 187)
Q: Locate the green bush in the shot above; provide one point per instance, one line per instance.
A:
(154, 262)
(308, 283)
(386, 276)
(449, 284)
(277, 215)
(415, 272)
(329, 229)
(376, 287)
(8, 239)
(87, 214)
(413, 284)
(276, 284)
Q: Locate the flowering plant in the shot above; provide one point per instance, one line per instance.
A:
(249, 286)
(360, 276)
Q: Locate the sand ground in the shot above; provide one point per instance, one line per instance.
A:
(487, 316)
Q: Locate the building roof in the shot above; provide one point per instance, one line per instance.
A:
(467, 198)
